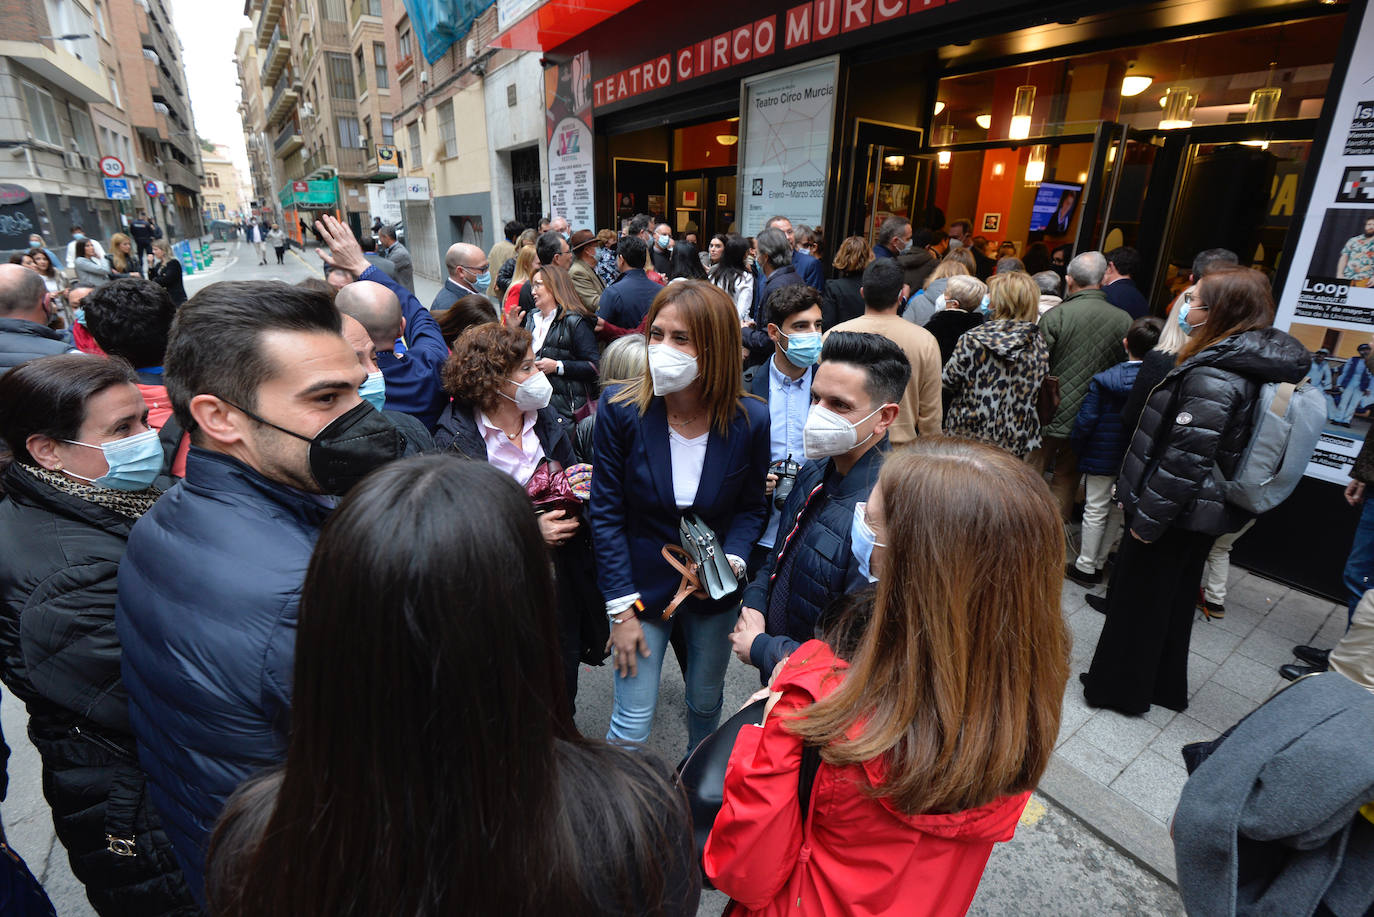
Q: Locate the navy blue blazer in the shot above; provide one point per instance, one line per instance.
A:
(1124, 294)
(632, 511)
(626, 302)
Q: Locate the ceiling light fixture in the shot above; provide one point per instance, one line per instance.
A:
(939, 107)
(727, 139)
(983, 121)
(1135, 85)
(946, 139)
(1035, 164)
(1179, 103)
(1021, 111)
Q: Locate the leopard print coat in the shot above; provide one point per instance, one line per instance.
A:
(991, 382)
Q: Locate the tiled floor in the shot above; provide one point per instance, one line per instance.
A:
(1232, 668)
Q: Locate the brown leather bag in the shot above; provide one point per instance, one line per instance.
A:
(1047, 399)
(682, 562)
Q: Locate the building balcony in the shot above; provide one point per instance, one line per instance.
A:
(55, 63)
(288, 141)
(180, 175)
(154, 75)
(267, 20)
(360, 8)
(354, 163)
(284, 98)
(403, 64)
(278, 53)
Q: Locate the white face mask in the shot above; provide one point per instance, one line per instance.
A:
(533, 394)
(827, 433)
(670, 369)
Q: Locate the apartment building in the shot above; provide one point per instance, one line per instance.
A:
(152, 97)
(261, 162)
(223, 192)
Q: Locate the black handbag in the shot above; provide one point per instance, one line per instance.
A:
(702, 775)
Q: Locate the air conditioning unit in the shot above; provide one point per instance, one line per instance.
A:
(471, 49)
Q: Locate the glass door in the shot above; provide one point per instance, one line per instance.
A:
(888, 177)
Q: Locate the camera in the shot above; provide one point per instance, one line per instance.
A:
(786, 470)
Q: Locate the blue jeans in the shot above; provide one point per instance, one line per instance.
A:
(708, 653)
(1359, 566)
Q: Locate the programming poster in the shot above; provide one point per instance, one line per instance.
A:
(568, 119)
(787, 119)
(1327, 301)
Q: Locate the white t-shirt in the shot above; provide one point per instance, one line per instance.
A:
(688, 457)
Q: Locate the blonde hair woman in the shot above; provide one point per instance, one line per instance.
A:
(526, 262)
(931, 732)
(994, 375)
(123, 262)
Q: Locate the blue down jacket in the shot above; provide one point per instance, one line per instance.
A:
(826, 568)
(1099, 434)
(208, 596)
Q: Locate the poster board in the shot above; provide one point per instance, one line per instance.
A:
(787, 122)
(568, 120)
(1327, 301)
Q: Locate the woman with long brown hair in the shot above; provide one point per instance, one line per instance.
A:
(933, 731)
(1191, 434)
(564, 336)
(682, 438)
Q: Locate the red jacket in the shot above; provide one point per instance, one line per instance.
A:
(856, 855)
(159, 412)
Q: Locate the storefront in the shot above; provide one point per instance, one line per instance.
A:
(1172, 127)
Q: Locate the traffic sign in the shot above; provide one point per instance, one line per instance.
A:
(117, 189)
(151, 188)
(111, 166)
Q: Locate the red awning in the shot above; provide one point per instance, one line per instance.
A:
(557, 21)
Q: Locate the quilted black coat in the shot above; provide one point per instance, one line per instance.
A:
(1193, 429)
(60, 655)
(572, 340)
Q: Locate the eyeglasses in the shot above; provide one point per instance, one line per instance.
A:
(478, 270)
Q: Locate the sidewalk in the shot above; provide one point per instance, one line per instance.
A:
(1123, 775)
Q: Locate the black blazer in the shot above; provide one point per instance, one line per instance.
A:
(167, 274)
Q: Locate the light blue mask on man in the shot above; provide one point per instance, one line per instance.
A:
(373, 390)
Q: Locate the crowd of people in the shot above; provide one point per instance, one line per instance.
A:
(300, 580)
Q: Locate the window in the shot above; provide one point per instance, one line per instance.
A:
(446, 131)
(335, 11)
(42, 115)
(340, 76)
(379, 63)
(82, 132)
(100, 19)
(348, 133)
(403, 44)
(368, 138)
(114, 90)
(413, 129)
(374, 8)
(362, 69)
(388, 135)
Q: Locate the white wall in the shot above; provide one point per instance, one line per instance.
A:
(513, 127)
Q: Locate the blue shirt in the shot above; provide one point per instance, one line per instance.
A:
(789, 401)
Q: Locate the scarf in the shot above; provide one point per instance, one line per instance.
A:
(130, 503)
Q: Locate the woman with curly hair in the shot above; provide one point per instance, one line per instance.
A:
(500, 414)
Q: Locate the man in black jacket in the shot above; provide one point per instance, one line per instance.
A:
(860, 380)
(24, 317)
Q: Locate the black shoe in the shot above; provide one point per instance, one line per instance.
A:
(1317, 659)
(1081, 578)
(1294, 672)
(1097, 602)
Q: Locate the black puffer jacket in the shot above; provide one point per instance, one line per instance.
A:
(572, 340)
(61, 657)
(1193, 429)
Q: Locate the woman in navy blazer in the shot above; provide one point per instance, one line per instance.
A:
(683, 438)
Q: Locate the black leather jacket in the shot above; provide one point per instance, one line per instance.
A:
(1193, 429)
(572, 340)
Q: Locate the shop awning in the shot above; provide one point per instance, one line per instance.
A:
(532, 25)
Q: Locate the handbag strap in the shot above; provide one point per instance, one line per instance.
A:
(690, 583)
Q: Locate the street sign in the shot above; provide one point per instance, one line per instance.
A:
(300, 187)
(151, 188)
(111, 166)
(117, 189)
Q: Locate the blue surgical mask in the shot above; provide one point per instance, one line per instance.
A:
(80, 237)
(664, 241)
(373, 390)
(565, 236)
(134, 461)
(985, 306)
(35, 244)
(862, 541)
(482, 281)
(1183, 319)
(803, 348)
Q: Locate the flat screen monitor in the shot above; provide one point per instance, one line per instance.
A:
(1056, 204)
